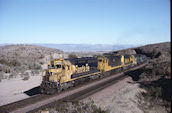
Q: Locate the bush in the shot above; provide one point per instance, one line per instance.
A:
(11, 76)
(38, 67)
(26, 78)
(14, 63)
(3, 61)
(72, 56)
(154, 92)
(1, 77)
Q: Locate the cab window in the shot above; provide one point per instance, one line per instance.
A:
(63, 67)
(58, 66)
(100, 60)
(52, 66)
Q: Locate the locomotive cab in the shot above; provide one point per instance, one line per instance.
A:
(55, 66)
(59, 71)
(54, 70)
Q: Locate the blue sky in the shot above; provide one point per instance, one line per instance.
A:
(85, 21)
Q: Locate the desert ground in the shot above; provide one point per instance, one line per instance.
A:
(14, 89)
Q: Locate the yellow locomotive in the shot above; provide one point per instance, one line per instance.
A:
(63, 73)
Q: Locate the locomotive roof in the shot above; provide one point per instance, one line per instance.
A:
(91, 61)
(127, 56)
(113, 57)
(82, 58)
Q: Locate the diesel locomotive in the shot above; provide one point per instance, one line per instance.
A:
(64, 73)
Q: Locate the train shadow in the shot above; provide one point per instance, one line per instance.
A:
(135, 75)
(33, 91)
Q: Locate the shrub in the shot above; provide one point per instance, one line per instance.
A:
(72, 56)
(1, 77)
(11, 76)
(38, 67)
(3, 61)
(14, 63)
(26, 78)
(154, 92)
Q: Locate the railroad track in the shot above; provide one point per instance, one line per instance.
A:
(75, 93)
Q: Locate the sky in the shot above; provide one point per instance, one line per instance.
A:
(85, 21)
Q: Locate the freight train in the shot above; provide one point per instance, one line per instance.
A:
(64, 73)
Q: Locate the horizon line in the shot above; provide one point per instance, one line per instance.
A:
(76, 43)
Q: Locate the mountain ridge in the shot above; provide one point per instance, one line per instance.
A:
(87, 47)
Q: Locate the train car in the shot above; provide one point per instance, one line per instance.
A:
(107, 63)
(111, 62)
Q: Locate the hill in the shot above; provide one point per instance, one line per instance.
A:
(87, 47)
(15, 59)
(155, 78)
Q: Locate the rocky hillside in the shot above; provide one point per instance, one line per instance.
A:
(156, 50)
(17, 59)
(159, 60)
(155, 78)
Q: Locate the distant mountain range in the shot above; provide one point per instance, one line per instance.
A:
(84, 47)
(87, 47)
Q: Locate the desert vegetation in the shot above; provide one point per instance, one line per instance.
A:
(23, 59)
(73, 107)
(155, 77)
(72, 56)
